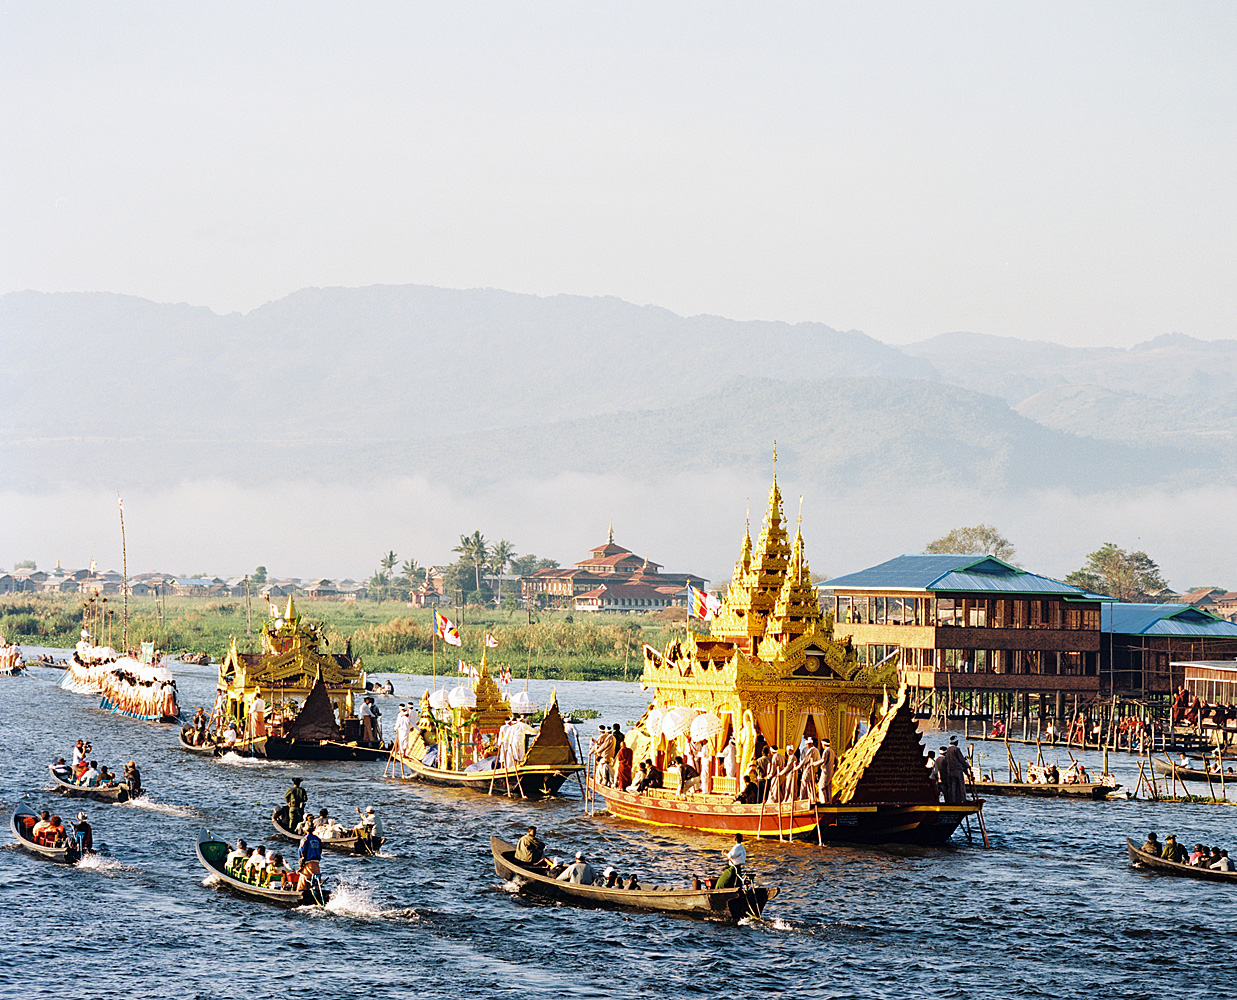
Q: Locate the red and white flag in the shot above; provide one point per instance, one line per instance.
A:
(490, 641)
(504, 675)
(462, 666)
(446, 630)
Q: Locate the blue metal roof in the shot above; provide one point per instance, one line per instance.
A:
(1163, 619)
(952, 574)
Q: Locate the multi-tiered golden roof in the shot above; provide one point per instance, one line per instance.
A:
(770, 652)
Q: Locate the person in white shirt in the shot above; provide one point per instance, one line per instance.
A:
(579, 871)
(403, 726)
(737, 855)
(91, 777)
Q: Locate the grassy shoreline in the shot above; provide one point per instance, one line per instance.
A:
(391, 637)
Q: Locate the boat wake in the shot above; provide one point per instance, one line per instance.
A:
(104, 866)
(144, 801)
(351, 899)
(232, 757)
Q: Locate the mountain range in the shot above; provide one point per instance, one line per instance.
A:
(482, 386)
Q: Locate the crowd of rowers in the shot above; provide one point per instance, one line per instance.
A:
(91, 774)
(1201, 857)
(530, 851)
(50, 831)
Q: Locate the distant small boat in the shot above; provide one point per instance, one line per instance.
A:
(725, 904)
(1057, 790)
(118, 792)
(22, 822)
(1192, 773)
(204, 750)
(213, 853)
(1140, 857)
(347, 845)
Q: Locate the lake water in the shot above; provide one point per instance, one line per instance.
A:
(1053, 909)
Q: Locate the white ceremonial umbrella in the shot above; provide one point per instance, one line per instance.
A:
(706, 726)
(652, 722)
(522, 704)
(678, 722)
(438, 700)
(462, 696)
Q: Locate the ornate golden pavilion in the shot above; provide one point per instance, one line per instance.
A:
(771, 652)
(286, 670)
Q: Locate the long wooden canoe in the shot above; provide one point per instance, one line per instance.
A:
(530, 781)
(118, 792)
(1059, 790)
(213, 852)
(66, 854)
(1140, 857)
(346, 845)
(204, 750)
(1191, 773)
(726, 904)
(292, 748)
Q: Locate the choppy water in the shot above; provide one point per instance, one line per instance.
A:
(1054, 909)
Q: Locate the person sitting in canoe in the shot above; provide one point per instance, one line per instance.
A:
(90, 777)
(255, 871)
(277, 871)
(39, 830)
(579, 872)
(230, 735)
(370, 827)
(54, 835)
(83, 833)
(1173, 851)
(530, 850)
(1222, 864)
(236, 858)
(610, 879)
(133, 778)
(1152, 844)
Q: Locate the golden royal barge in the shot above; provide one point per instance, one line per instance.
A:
(291, 700)
(770, 671)
(463, 740)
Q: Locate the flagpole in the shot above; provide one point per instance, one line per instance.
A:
(434, 653)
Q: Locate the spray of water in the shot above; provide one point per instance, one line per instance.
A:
(102, 865)
(232, 757)
(144, 801)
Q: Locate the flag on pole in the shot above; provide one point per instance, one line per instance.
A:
(490, 641)
(462, 666)
(474, 673)
(446, 630)
(703, 606)
(504, 675)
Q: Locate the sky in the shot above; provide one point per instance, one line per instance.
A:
(1055, 171)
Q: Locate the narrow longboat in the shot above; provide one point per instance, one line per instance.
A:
(22, 822)
(209, 749)
(213, 852)
(461, 738)
(1170, 769)
(1140, 857)
(725, 904)
(770, 667)
(292, 700)
(1056, 790)
(352, 844)
(118, 792)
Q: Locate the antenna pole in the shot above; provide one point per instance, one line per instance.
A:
(124, 565)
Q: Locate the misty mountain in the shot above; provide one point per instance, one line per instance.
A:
(1173, 388)
(382, 361)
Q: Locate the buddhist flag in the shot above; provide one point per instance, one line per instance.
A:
(504, 676)
(703, 606)
(446, 630)
(490, 641)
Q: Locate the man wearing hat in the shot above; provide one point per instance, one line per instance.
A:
(85, 836)
(828, 760)
(403, 727)
(296, 797)
(1172, 850)
(954, 769)
(579, 872)
(133, 778)
(370, 826)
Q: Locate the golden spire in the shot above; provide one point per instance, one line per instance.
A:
(611, 535)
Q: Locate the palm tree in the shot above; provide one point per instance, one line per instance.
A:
(474, 548)
(501, 554)
(412, 572)
(389, 561)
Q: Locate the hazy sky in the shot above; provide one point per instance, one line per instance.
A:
(1060, 171)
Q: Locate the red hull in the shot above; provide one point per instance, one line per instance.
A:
(918, 823)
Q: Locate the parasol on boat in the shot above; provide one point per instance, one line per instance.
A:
(462, 696)
(438, 700)
(706, 726)
(522, 703)
(652, 722)
(677, 722)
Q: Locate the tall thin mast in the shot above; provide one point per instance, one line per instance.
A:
(124, 565)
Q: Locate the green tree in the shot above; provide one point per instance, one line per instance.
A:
(412, 572)
(258, 576)
(982, 539)
(474, 549)
(25, 564)
(379, 584)
(388, 562)
(530, 563)
(1127, 576)
(501, 556)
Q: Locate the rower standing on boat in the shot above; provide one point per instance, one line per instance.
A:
(296, 797)
(309, 852)
(83, 833)
(133, 778)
